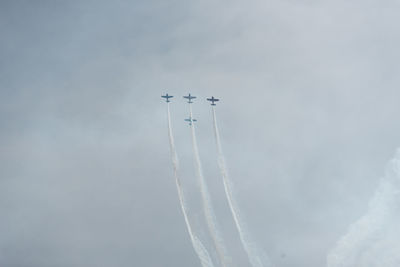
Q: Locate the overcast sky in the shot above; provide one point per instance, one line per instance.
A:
(308, 117)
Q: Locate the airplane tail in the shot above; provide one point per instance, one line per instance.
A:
(198, 247)
(207, 204)
(256, 256)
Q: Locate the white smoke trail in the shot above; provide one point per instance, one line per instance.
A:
(199, 248)
(207, 206)
(256, 257)
(374, 240)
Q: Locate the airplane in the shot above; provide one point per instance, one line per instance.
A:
(212, 99)
(190, 97)
(190, 120)
(167, 97)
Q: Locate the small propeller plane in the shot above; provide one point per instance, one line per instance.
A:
(190, 97)
(167, 97)
(212, 99)
(190, 120)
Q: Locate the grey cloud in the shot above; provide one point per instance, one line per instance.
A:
(308, 119)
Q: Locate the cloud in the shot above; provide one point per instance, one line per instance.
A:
(307, 115)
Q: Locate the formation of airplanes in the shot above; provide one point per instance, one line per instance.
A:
(189, 97)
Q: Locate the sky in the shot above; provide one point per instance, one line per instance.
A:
(309, 101)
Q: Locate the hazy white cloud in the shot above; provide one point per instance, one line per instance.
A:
(309, 101)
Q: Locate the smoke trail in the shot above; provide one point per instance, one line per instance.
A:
(207, 206)
(256, 257)
(373, 240)
(199, 248)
